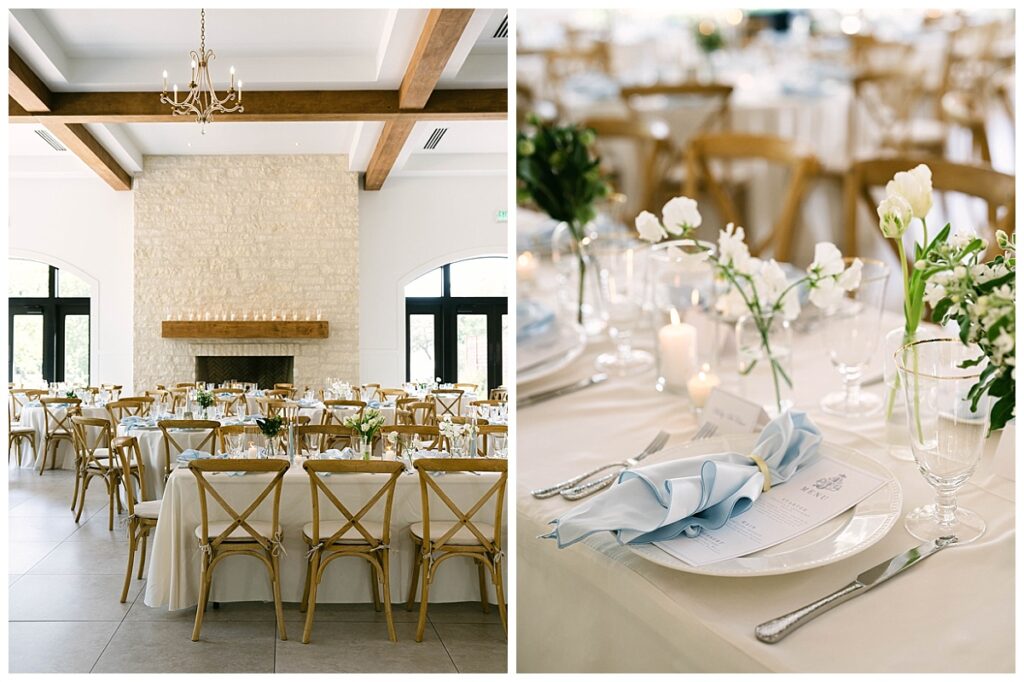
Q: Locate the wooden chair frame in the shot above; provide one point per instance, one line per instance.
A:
(224, 431)
(442, 406)
(374, 550)
(166, 426)
(215, 549)
(487, 430)
(328, 435)
(61, 428)
(89, 465)
(129, 407)
(422, 413)
(329, 417)
(487, 553)
(127, 450)
(499, 393)
(733, 146)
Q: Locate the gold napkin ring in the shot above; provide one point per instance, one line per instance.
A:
(764, 470)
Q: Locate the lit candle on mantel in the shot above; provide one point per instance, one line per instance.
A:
(526, 266)
(700, 385)
(677, 351)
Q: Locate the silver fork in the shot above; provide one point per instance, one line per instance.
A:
(707, 430)
(655, 445)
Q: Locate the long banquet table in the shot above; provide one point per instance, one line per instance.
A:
(595, 606)
(174, 568)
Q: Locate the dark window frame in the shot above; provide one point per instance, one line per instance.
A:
(54, 310)
(446, 310)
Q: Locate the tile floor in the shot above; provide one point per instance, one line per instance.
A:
(65, 581)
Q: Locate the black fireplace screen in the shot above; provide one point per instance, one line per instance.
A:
(264, 370)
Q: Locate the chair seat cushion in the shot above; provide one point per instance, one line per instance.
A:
(351, 536)
(239, 534)
(149, 509)
(19, 429)
(463, 536)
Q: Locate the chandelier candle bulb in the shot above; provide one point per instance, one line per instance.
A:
(699, 386)
(677, 352)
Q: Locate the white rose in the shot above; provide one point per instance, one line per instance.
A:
(689, 261)
(916, 187)
(850, 279)
(649, 227)
(826, 293)
(828, 260)
(894, 216)
(933, 293)
(680, 214)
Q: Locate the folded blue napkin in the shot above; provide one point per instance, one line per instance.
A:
(533, 319)
(684, 496)
(190, 454)
(375, 404)
(307, 403)
(136, 422)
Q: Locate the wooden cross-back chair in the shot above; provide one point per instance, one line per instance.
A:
(274, 407)
(447, 401)
(327, 436)
(704, 149)
(16, 431)
(336, 411)
(185, 384)
(225, 432)
(402, 413)
(563, 63)
(423, 412)
(354, 535)
(996, 189)
(499, 393)
(129, 407)
(279, 393)
(179, 398)
(161, 395)
(651, 157)
(170, 426)
(368, 392)
(438, 541)
(227, 400)
(888, 102)
(430, 437)
(142, 513)
(56, 427)
(387, 394)
(19, 397)
(487, 434)
(94, 459)
(240, 535)
(113, 389)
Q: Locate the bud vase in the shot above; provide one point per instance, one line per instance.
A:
(764, 345)
(895, 405)
(365, 448)
(579, 291)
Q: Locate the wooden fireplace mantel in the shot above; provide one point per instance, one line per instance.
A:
(248, 329)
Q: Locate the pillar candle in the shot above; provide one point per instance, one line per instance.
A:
(677, 352)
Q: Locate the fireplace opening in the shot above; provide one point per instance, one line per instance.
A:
(265, 370)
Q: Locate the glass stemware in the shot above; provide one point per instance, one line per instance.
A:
(852, 331)
(622, 276)
(947, 432)
(499, 445)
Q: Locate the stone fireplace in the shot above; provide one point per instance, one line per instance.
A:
(263, 370)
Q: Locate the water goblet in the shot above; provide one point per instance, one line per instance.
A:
(499, 445)
(947, 428)
(852, 332)
(622, 275)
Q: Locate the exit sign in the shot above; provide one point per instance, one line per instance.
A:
(503, 216)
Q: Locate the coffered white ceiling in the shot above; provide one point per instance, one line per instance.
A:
(302, 49)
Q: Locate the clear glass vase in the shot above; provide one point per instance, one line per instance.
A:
(270, 446)
(579, 291)
(365, 448)
(895, 404)
(764, 345)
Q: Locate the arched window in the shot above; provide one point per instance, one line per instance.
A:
(48, 324)
(456, 321)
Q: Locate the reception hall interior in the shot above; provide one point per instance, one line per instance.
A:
(779, 243)
(258, 310)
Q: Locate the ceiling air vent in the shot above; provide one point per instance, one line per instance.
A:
(502, 31)
(51, 140)
(434, 138)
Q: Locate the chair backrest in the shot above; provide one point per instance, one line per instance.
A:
(113, 389)
(55, 423)
(468, 388)
(499, 393)
(430, 437)
(487, 434)
(463, 518)
(201, 467)
(638, 155)
(387, 394)
(20, 396)
(238, 390)
(423, 412)
(335, 411)
(129, 407)
(226, 400)
(327, 435)
(274, 407)
(126, 448)
(169, 426)
(704, 149)
(352, 520)
(86, 446)
(370, 392)
(185, 384)
(448, 402)
(995, 188)
(706, 104)
(160, 394)
(279, 393)
(179, 397)
(226, 431)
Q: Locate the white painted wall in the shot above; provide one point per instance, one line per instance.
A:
(82, 225)
(410, 227)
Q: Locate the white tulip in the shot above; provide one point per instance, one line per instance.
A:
(649, 227)
(850, 279)
(894, 216)
(915, 186)
(828, 260)
(680, 214)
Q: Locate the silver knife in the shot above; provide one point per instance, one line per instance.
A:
(560, 391)
(774, 630)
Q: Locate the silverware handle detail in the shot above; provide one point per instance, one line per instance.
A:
(774, 630)
(574, 481)
(582, 491)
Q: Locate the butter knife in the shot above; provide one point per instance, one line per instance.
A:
(560, 391)
(775, 629)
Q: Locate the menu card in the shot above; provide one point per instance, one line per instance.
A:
(817, 493)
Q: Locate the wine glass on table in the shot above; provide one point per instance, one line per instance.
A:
(622, 276)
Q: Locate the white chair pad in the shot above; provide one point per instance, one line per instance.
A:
(463, 536)
(239, 534)
(149, 509)
(351, 536)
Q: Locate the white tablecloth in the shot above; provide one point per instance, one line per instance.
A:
(173, 579)
(151, 449)
(65, 458)
(597, 607)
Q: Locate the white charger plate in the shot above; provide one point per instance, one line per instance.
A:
(851, 532)
(571, 341)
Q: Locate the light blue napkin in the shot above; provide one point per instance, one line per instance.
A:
(33, 403)
(375, 404)
(533, 319)
(187, 456)
(136, 422)
(684, 496)
(307, 403)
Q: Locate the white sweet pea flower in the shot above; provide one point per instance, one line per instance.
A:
(730, 305)
(773, 280)
(960, 240)
(649, 227)
(826, 293)
(680, 214)
(732, 250)
(828, 260)
(916, 187)
(894, 216)
(689, 261)
(933, 293)
(850, 279)
(791, 305)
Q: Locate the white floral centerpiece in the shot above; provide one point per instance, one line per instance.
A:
(757, 289)
(367, 425)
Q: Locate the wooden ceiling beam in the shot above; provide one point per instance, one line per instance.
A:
(24, 85)
(273, 105)
(440, 35)
(80, 141)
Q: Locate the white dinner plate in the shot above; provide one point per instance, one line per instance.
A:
(851, 532)
(569, 345)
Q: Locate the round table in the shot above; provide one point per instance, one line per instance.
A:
(33, 416)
